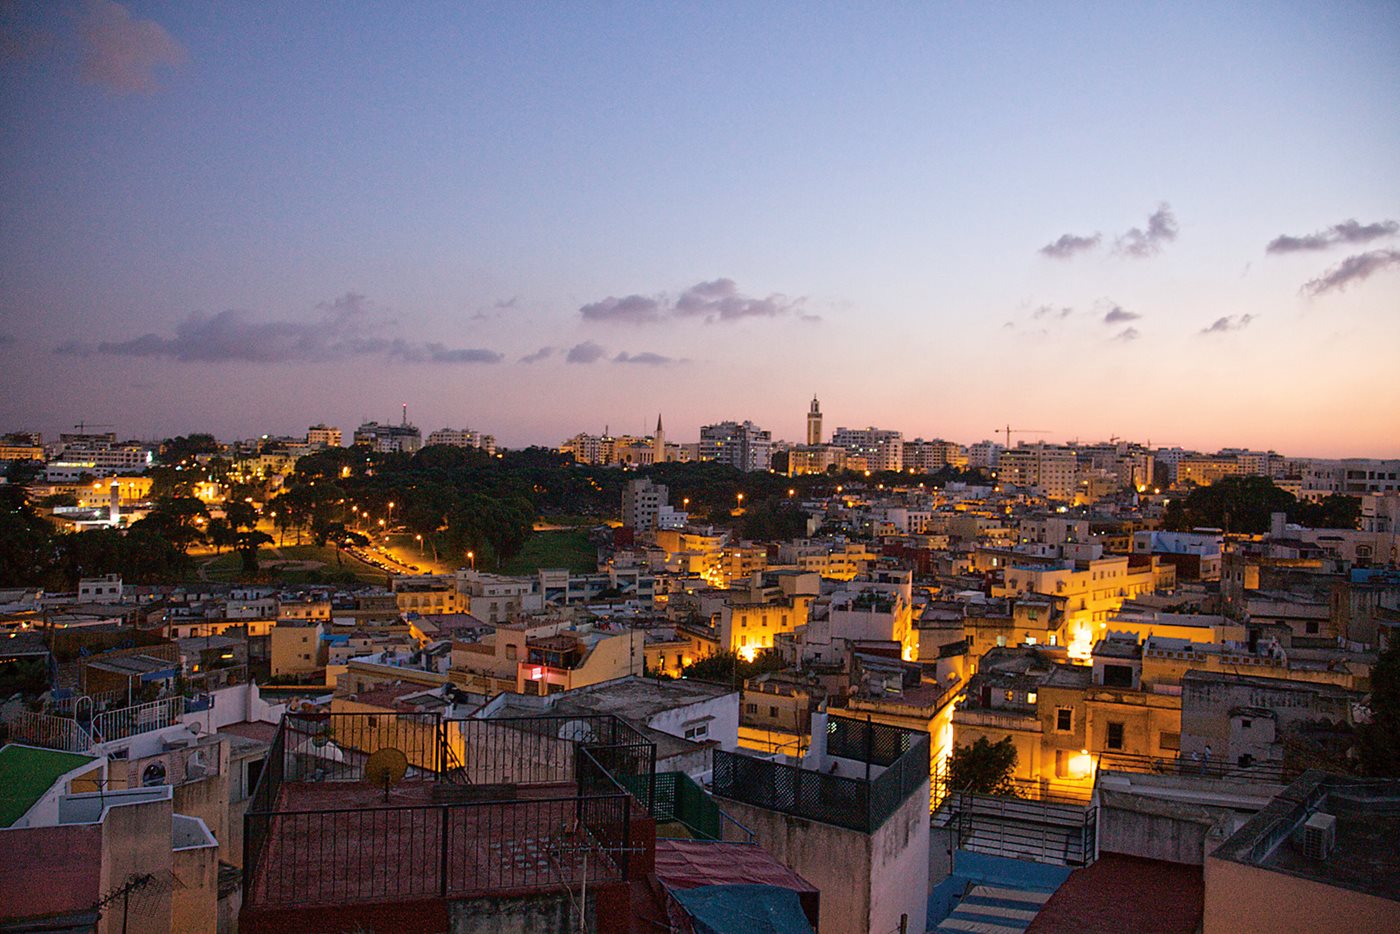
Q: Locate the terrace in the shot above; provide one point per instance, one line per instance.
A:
(516, 805)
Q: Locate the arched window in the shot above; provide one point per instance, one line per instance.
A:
(154, 774)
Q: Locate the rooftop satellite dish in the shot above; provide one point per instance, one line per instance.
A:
(386, 768)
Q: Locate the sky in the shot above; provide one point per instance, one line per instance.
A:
(1177, 223)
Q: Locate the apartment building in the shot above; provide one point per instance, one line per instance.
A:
(881, 449)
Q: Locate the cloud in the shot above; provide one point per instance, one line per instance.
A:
(1070, 244)
(346, 329)
(645, 358)
(1127, 335)
(1352, 269)
(542, 354)
(587, 352)
(631, 309)
(1347, 232)
(1052, 312)
(717, 300)
(1228, 323)
(1161, 229)
(1120, 315)
(121, 53)
(721, 300)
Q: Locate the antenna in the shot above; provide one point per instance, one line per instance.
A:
(405, 413)
(386, 768)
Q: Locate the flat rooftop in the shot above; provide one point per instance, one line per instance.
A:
(1365, 857)
(26, 773)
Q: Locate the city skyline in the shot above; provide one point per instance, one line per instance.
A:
(1177, 225)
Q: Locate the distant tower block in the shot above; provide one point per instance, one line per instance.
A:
(658, 443)
(814, 423)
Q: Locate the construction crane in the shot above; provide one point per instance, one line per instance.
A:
(84, 426)
(1020, 431)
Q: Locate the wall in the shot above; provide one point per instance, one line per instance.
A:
(835, 860)
(531, 914)
(1244, 899)
(194, 900)
(135, 841)
(899, 867)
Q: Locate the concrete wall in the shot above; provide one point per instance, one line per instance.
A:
(1153, 831)
(1244, 899)
(546, 913)
(899, 867)
(136, 841)
(194, 901)
(835, 860)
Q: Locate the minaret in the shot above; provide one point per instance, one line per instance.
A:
(814, 423)
(658, 443)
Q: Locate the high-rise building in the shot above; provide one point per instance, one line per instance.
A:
(814, 423)
(742, 446)
(880, 449)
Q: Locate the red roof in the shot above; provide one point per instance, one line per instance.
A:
(1126, 893)
(54, 870)
(684, 864)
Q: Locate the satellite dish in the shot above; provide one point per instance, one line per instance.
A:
(386, 768)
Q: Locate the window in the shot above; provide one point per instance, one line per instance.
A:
(1312, 627)
(1001, 642)
(1064, 719)
(1030, 697)
(750, 708)
(773, 712)
(1246, 723)
(1170, 742)
(698, 731)
(1118, 676)
(154, 774)
(1115, 736)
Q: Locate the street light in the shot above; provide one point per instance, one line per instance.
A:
(391, 511)
(471, 556)
(420, 544)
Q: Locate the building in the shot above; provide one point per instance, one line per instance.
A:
(881, 449)
(851, 817)
(814, 423)
(1319, 857)
(96, 456)
(1050, 470)
(743, 446)
(922, 456)
(646, 508)
(323, 436)
(463, 438)
(386, 439)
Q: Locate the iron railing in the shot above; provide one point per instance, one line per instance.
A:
(453, 848)
(1040, 831)
(439, 850)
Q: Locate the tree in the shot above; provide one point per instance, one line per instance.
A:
(177, 519)
(984, 768)
(729, 668)
(1235, 504)
(1380, 739)
(1331, 512)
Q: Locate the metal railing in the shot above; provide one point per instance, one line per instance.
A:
(142, 718)
(1045, 832)
(39, 729)
(453, 848)
(318, 857)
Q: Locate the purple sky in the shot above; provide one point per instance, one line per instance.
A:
(1175, 223)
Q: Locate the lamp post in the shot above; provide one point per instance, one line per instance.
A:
(420, 545)
(471, 556)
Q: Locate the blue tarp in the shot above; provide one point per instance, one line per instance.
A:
(743, 909)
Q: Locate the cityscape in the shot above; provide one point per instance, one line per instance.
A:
(721, 469)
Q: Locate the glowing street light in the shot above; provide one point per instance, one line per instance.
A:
(471, 556)
(420, 544)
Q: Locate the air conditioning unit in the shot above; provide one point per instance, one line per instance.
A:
(1319, 836)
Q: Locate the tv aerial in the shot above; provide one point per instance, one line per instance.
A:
(386, 768)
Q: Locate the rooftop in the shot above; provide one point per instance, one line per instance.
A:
(26, 773)
(1126, 893)
(1364, 859)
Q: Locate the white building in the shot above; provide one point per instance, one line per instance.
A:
(881, 448)
(742, 446)
(1050, 470)
(323, 436)
(463, 438)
